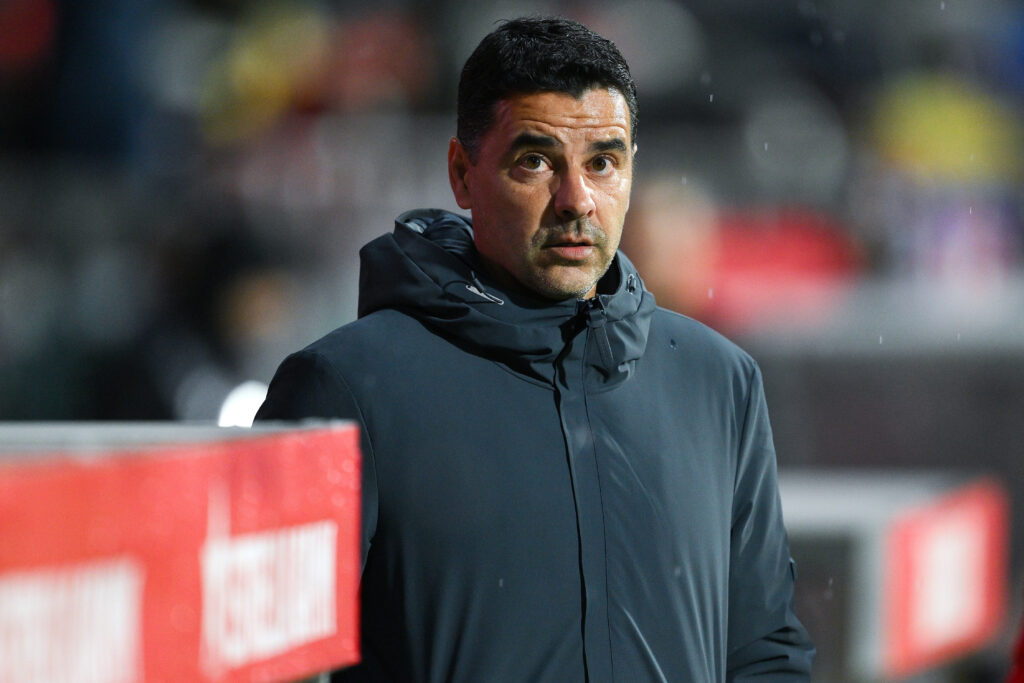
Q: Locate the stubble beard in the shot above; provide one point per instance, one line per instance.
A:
(551, 287)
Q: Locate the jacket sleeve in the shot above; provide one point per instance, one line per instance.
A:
(308, 386)
(765, 637)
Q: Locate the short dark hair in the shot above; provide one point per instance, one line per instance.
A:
(537, 54)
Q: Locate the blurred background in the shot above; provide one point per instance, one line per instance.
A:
(835, 184)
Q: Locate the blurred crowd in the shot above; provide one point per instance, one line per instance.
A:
(184, 185)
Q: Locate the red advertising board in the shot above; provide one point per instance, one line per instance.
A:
(225, 559)
(945, 578)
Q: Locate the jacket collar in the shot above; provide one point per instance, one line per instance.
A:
(428, 268)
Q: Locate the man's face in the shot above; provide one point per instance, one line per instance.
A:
(549, 189)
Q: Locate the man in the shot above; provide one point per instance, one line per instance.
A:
(562, 482)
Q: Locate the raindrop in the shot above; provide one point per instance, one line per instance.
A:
(958, 336)
(501, 583)
(711, 292)
(942, 5)
(766, 146)
(678, 571)
(683, 180)
(879, 339)
(711, 97)
(970, 210)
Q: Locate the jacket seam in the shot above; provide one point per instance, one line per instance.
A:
(523, 377)
(740, 435)
(600, 492)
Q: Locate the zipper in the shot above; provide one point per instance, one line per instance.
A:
(587, 326)
(595, 315)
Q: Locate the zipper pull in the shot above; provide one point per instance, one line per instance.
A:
(596, 320)
(593, 309)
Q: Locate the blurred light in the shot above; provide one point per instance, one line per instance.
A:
(382, 59)
(672, 238)
(941, 127)
(277, 60)
(30, 295)
(113, 292)
(241, 404)
(473, 20)
(797, 146)
(660, 39)
(184, 45)
(27, 29)
(780, 266)
(199, 387)
(257, 305)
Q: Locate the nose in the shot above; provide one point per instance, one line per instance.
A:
(573, 198)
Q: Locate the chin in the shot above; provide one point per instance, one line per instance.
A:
(559, 291)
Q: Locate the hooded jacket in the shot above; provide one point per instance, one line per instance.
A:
(552, 491)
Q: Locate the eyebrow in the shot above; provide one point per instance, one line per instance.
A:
(533, 140)
(547, 142)
(613, 145)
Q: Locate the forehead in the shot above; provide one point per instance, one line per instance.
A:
(599, 113)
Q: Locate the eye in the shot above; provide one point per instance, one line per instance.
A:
(532, 162)
(602, 165)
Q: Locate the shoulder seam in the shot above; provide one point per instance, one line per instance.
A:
(742, 424)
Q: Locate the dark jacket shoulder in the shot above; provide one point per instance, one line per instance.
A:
(696, 340)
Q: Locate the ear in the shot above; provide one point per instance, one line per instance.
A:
(458, 169)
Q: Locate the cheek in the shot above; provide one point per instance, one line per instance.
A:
(523, 207)
(616, 199)
(624, 191)
(510, 225)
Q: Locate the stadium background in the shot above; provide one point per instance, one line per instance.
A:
(836, 184)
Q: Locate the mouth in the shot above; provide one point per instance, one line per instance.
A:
(571, 249)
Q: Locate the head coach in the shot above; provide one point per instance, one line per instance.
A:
(562, 482)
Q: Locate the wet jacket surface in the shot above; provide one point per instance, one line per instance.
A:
(573, 491)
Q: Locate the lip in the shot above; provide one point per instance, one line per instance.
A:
(571, 251)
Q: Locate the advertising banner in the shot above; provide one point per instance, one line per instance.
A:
(178, 554)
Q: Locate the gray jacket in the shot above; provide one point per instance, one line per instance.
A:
(574, 491)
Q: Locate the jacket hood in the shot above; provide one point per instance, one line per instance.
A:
(428, 268)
